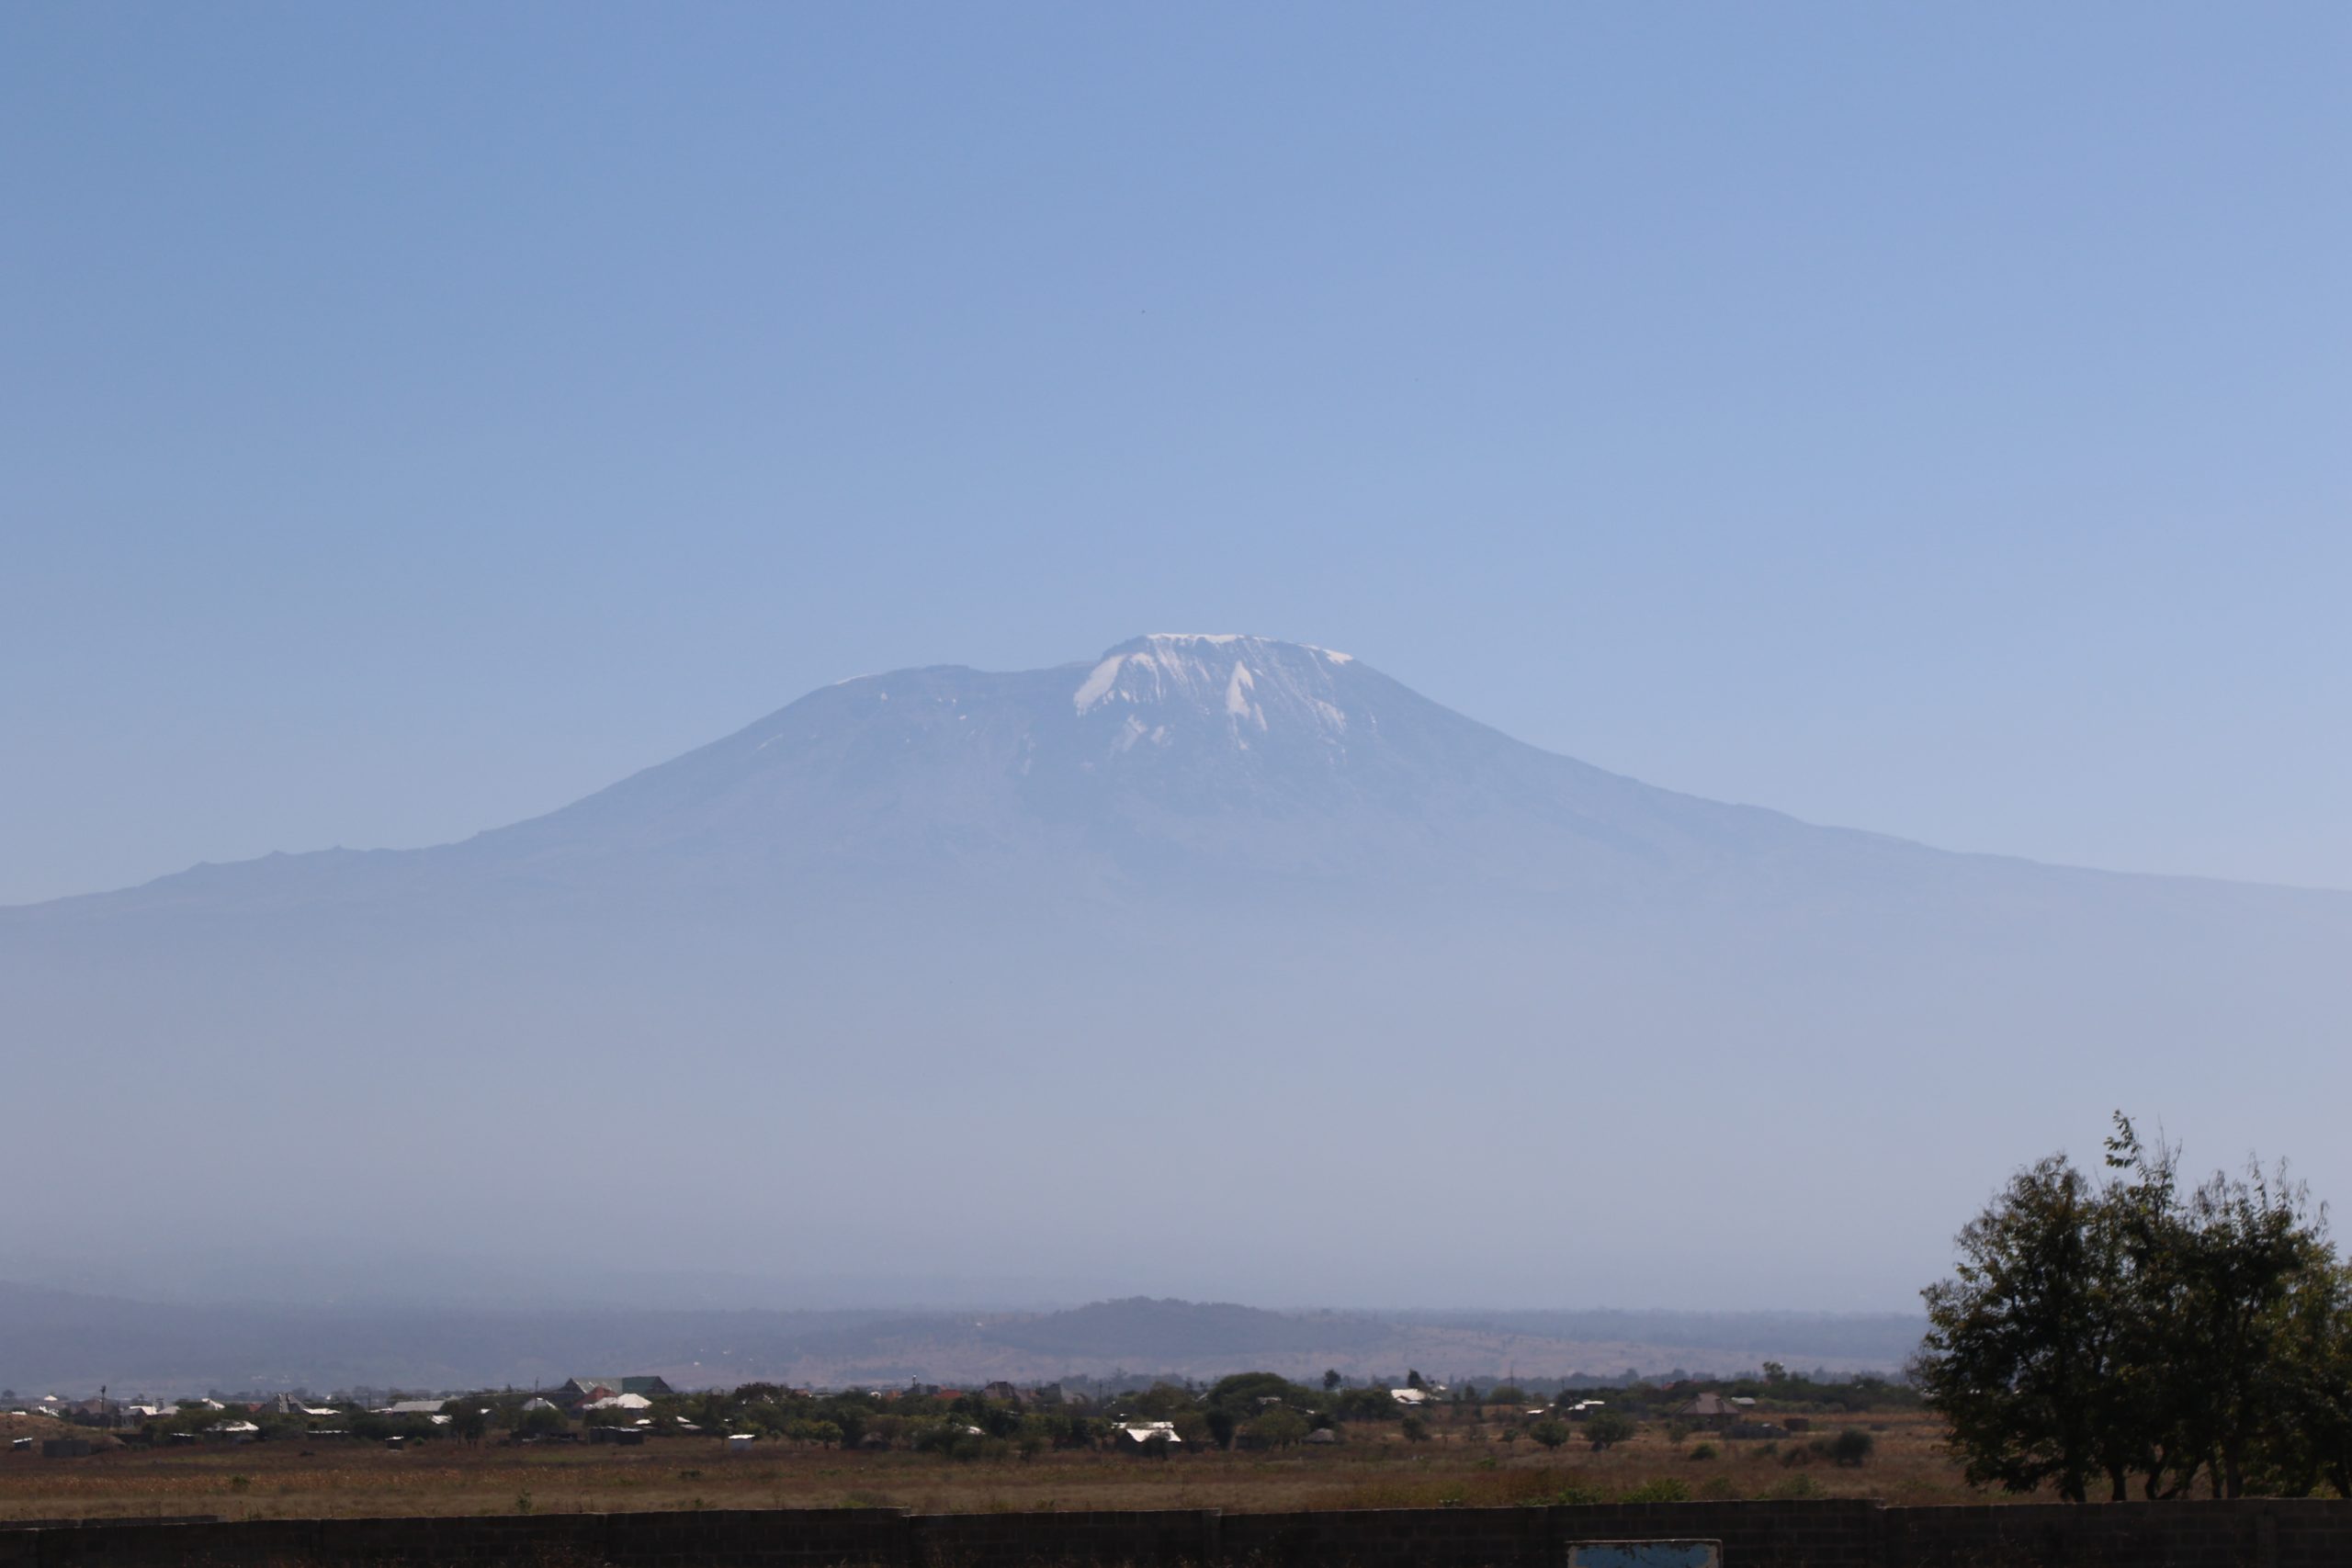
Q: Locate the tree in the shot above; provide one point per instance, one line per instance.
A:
(1333, 1379)
(2021, 1336)
(1604, 1427)
(1222, 1426)
(2129, 1328)
(1550, 1433)
(1243, 1390)
(1851, 1447)
(1413, 1378)
(1164, 1400)
(1365, 1404)
(1279, 1428)
(539, 1423)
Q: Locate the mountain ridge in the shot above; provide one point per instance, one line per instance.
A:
(1202, 967)
(1213, 692)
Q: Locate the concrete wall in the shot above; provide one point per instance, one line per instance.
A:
(1819, 1534)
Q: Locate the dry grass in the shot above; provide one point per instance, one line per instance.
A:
(1374, 1470)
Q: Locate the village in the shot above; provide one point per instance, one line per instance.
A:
(1246, 1411)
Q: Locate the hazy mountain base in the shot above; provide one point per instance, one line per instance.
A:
(71, 1343)
(1257, 1102)
(1297, 988)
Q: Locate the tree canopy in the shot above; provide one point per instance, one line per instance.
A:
(2125, 1327)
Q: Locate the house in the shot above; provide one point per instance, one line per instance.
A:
(1710, 1410)
(1410, 1396)
(1004, 1392)
(412, 1407)
(578, 1391)
(619, 1402)
(1139, 1437)
(234, 1431)
(740, 1442)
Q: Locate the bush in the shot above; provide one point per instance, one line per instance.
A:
(1665, 1489)
(1796, 1486)
(1704, 1451)
(1603, 1427)
(1550, 1433)
(1851, 1447)
(1415, 1428)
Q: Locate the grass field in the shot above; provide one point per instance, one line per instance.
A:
(1374, 1470)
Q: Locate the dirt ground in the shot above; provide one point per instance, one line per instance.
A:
(1375, 1469)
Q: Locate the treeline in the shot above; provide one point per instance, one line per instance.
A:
(1248, 1409)
(2133, 1330)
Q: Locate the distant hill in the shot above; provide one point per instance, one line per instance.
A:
(71, 1344)
(1213, 965)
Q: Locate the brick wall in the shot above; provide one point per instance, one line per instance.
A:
(2253, 1534)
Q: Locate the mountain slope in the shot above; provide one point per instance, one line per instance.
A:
(1211, 964)
(1171, 757)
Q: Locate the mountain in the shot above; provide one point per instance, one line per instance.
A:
(1171, 761)
(1215, 963)
(73, 1342)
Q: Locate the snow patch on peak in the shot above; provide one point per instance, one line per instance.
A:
(1237, 697)
(1098, 686)
(1236, 689)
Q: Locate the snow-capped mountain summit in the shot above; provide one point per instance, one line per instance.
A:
(1169, 756)
(1216, 762)
(1240, 677)
(960, 944)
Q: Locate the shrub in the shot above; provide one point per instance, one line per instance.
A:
(1665, 1489)
(1796, 1486)
(1704, 1451)
(1851, 1447)
(1550, 1433)
(1603, 1427)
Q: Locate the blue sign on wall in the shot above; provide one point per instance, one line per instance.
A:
(1646, 1554)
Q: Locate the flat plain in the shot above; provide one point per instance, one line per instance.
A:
(1374, 1470)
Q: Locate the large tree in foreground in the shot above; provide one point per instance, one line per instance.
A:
(2102, 1330)
(2024, 1337)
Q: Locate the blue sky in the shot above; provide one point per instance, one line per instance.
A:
(1933, 421)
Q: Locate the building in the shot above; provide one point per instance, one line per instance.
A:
(1710, 1410)
(1155, 1436)
(619, 1402)
(579, 1392)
